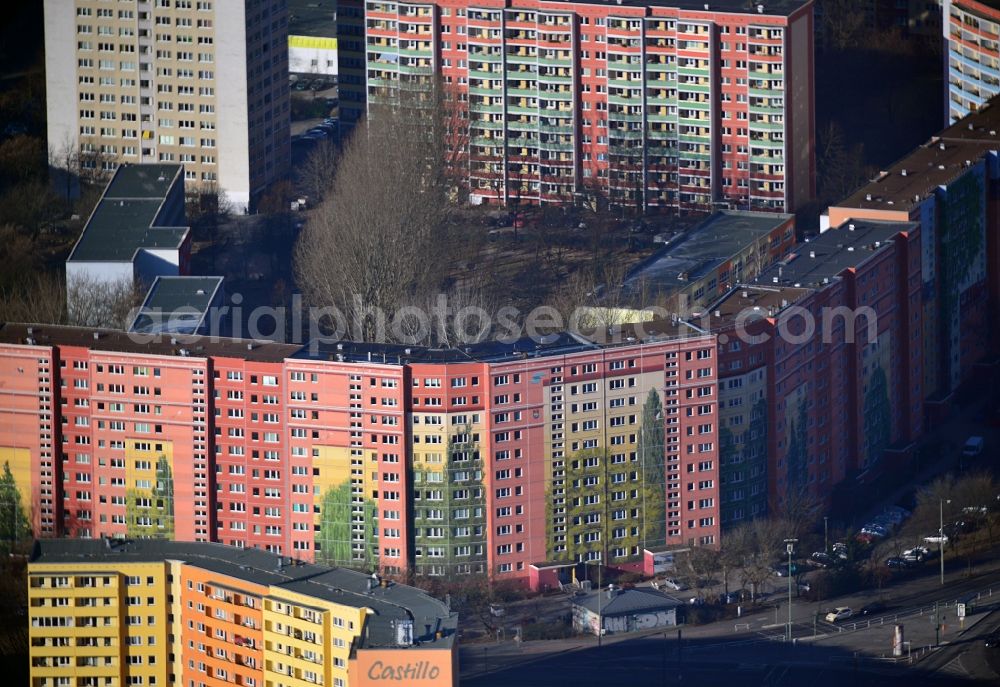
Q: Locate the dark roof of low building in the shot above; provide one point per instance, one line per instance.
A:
(390, 603)
(176, 305)
(125, 219)
(312, 18)
(131, 342)
(696, 252)
(826, 256)
(626, 601)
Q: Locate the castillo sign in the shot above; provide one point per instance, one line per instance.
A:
(410, 667)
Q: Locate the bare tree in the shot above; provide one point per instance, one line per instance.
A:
(94, 302)
(40, 297)
(317, 172)
(375, 241)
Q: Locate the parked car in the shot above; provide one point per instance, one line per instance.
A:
(805, 587)
(917, 554)
(497, 611)
(936, 539)
(840, 550)
(674, 584)
(875, 529)
(821, 560)
(973, 447)
(838, 614)
(872, 608)
(781, 570)
(730, 598)
(696, 601)
(897, 563)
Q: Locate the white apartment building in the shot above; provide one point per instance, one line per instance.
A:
(202, 83)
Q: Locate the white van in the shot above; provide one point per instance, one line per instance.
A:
(973, 446)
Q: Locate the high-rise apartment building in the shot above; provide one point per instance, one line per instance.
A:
(485, 459)
(658, 104)
(107, 613)
(972, 50)
(203, 83)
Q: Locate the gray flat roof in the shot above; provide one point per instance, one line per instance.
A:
(312, 18)
(176, 305)
(706, 246)
(338, 585)
(826, 256)
(775, 7)
(123, 221)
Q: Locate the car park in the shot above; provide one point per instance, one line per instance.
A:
(674, 584)
(838, 614)
(840, 550)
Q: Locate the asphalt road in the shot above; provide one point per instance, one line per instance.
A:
(757, 655)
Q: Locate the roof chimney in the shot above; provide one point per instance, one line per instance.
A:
(903, 172)
(868, 196)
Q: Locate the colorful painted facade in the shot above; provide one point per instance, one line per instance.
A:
(146, 612)
(644, 104)
(437, 463)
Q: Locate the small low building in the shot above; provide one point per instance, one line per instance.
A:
(182, 305)
(624, 610)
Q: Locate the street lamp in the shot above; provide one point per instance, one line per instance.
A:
(826, 534)
(941, 502)
(790, 547)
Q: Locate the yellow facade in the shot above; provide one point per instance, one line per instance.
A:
(99, 625)
(297, 627)
(19, 460)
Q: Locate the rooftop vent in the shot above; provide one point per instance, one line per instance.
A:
(941, 145)
(249, 346)
(993, 132)
(173, 340)
(850, 249)
(407, 351)
(868, 196)
(850, 227)
(706, 5)
(878, 244)
(31, 331)
(97, 335)
(718, 313)
(200, 292)
(340, 347)
(971, 127)
(812, 254)
(745, 294)
(903, 172)
(760, 9)
(941, 167)
(826, 280)
(184, 352)
(775, 280)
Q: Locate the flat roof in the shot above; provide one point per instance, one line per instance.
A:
(772, 299)
(823, 258)
(312, 18)
(176, 305)
(937, 162)
(485, 351)
(114, 340)
(124, 220)
(704, 247)
(390, 603)
(775, 7)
